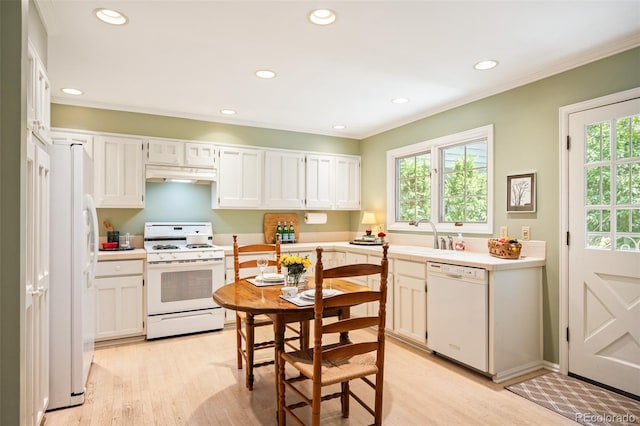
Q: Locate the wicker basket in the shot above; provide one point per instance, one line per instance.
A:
(504, 250)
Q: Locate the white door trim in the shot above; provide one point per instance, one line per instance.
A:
(564, 112)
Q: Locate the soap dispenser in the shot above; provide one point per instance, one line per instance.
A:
(459, 243)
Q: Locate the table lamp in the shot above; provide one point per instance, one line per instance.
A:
(368, 218)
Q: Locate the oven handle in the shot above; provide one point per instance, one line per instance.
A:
(181, 265)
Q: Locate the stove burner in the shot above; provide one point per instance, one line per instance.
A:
(196, 246)
(164, 247)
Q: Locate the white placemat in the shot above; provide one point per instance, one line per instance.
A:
(258, 283)
(303, 301)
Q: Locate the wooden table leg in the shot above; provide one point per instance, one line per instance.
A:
(305, 331)
(278, 331)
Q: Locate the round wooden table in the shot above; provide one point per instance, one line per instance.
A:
(246, 297)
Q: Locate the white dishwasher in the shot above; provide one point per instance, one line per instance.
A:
(458, 313)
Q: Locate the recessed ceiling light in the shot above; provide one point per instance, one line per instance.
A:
(486, 65)
(265, 74)
(111, 16)
(400, 100)
(71, 91)
(228, 111)
(339, 127)
(322, 16)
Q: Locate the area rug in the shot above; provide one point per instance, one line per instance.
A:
(579, 401)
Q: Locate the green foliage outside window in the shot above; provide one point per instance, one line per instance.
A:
(463, 184)
(464, 194)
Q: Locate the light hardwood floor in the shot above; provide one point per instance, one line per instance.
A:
(193, 380)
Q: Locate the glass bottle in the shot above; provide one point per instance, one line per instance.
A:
(292, 233)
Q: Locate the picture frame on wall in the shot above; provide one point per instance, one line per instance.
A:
(521, 192)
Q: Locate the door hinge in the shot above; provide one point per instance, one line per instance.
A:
(567, 334)
(426, 335)
(568, 142)
(567, 237)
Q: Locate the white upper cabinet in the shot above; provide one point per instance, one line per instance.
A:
(169, 152)
(38, 96)
(165, 152)
(347, 183)
(320, 181)
(200, 155)
(333, 182)
(284, 183)
(119, 172)
(71, 137)
(240, 179)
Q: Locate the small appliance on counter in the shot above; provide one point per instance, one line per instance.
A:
(114, 240)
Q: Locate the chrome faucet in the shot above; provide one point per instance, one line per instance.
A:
(433, 227)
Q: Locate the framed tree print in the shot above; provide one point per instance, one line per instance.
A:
(521, 193)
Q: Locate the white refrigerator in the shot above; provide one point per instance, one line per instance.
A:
(74, 253)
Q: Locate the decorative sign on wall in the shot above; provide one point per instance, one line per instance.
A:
(521, 193)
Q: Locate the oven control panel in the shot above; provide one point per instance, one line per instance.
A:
(185, 256)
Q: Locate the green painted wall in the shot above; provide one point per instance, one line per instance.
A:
(526, 137)
(13, 43)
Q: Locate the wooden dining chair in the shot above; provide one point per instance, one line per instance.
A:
(327, 363)
(245, 338)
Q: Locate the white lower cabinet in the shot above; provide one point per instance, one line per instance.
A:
(351, 258)
(119, 299)
(410, 300)
(374, 283)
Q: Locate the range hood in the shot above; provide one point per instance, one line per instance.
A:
(156, 173)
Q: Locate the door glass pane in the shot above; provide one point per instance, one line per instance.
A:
(598, 185)
(598, 220)
(186, 285)
(628, 137)
(613, 219)
(598, 142)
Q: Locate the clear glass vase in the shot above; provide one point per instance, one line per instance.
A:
(295, 275)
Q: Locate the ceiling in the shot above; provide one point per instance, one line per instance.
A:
(194, 58)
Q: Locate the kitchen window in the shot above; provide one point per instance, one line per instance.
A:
(447, 180)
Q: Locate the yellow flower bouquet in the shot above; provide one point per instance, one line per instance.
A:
(296, 266)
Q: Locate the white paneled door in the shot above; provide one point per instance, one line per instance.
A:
(604, 249)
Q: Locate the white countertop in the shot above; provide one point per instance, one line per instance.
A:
(411, 253)
(422, 254)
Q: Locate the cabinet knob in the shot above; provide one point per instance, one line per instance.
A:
(118, 267)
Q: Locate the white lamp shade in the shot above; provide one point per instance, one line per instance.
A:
(369, 218)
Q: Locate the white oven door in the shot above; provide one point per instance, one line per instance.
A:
(178, 287)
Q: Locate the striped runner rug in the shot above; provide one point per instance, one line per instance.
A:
(579, 401)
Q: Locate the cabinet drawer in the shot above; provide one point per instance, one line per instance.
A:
(412, 269)
(119, 267)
